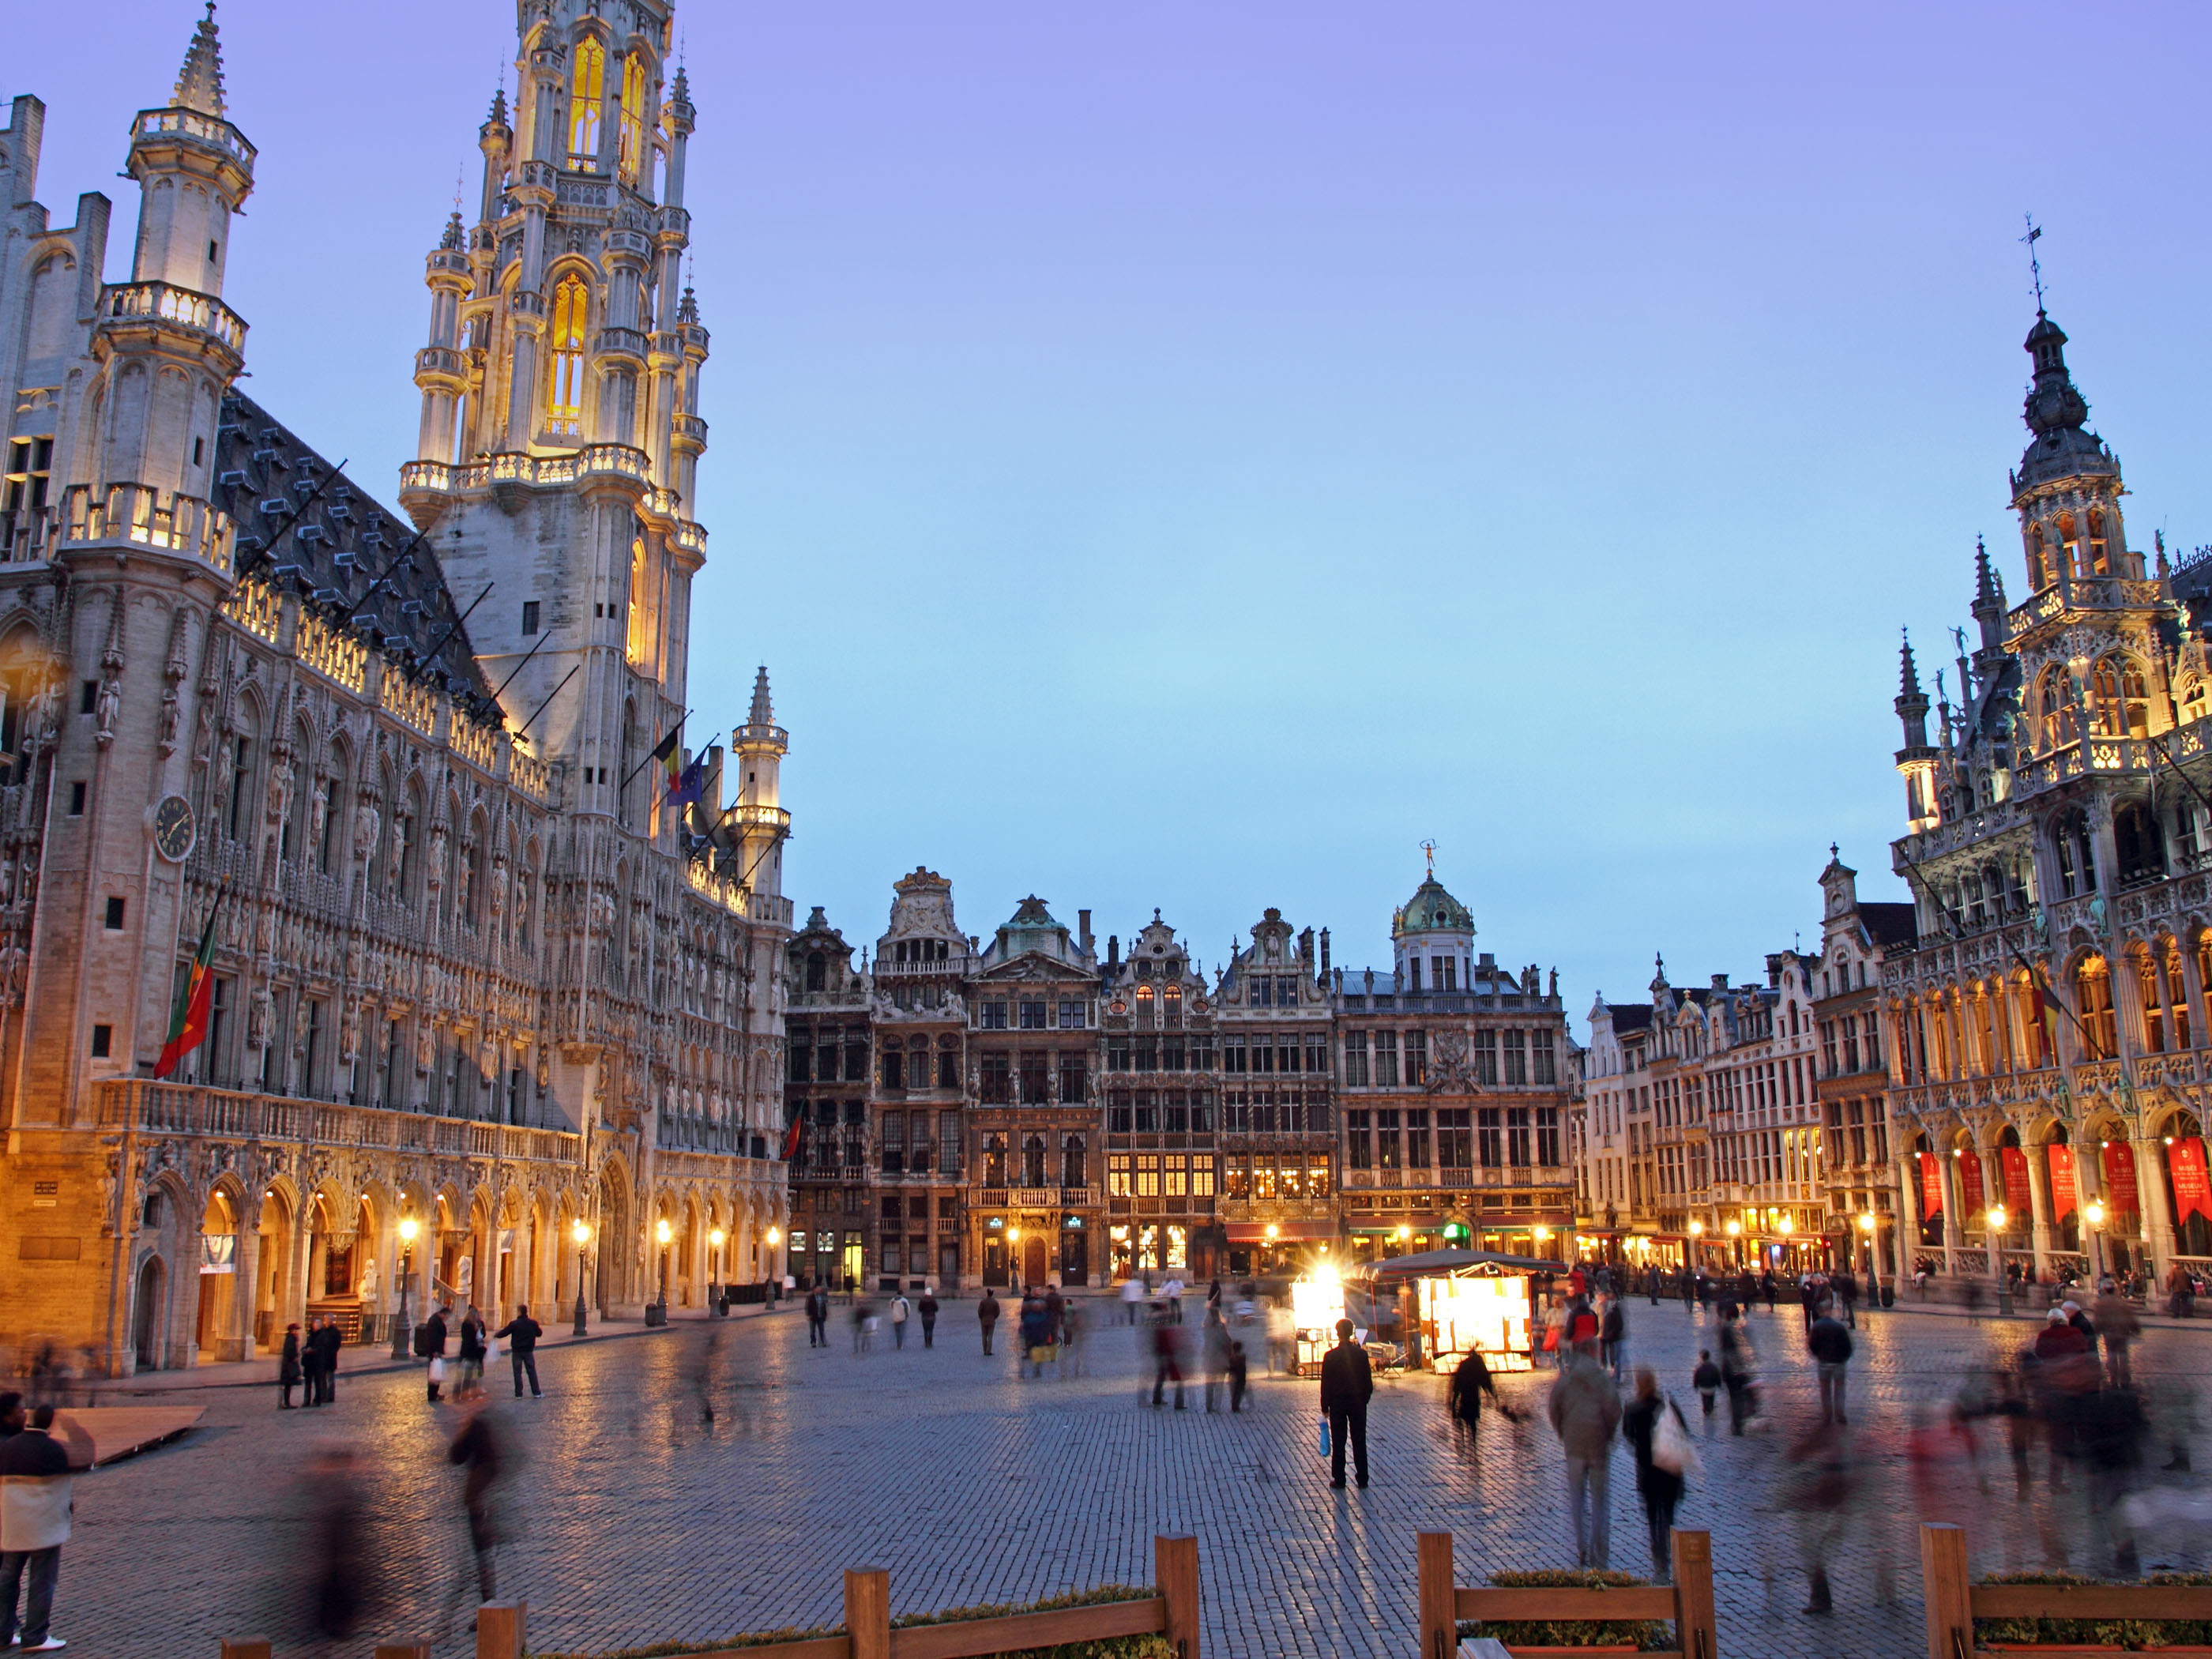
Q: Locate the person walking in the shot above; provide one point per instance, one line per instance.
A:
(987, 1315)
(1055, 1311)
(520, 1334)
(1470, 1380)
(1830, 1345)
(1236, 1376)
(2181, 1291)
(1739, 1363)
(1706, 1380)
(326, 1371)
(2116, 1322)
(1658, 1485)
(928, 1309)
(287, 1368)
(433, 1350)
(1823, 1477)
(473, 1355)
(817, 1318)
(1843, 1285)
(1612, 1337)
(1167, 1355)
(1585, 1412)
(477, 1449)
(35, 1506)
(901, 1310)
(1347, 1381)
(1133, 1296)
(1214, 1349)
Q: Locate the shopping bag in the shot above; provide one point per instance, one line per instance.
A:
(1671, 1448)
(437, 1368)
(1324, 1436)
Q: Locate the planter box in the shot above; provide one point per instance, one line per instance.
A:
(1571, 1653)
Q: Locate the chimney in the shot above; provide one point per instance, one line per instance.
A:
(1083, 931)
(1720, 985)
(1324, 953)
(1112, 945)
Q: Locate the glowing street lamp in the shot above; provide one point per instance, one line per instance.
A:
(400, 1329)
(657, 1314)
(581, 1232)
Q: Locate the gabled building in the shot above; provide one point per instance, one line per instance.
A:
(1858, 936)
(1278, 1134)
(1159, 1025)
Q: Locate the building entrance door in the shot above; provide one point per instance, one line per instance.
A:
(1074, 1259)
(146, 1329)
(1033, 1259)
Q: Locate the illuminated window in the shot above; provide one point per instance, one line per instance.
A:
(589, 94)
(2098, 561)
(2039, 572)
(2094, 993)
(629, 139)
(564, 410)
(637, 642)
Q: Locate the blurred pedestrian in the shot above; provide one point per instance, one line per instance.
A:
(2110, 1424)
(1612, 1337)
(35, 1507)
(1739, 1363)
(1830, 1345)
(1237, 1376)
(1133, 1296)
(1822, 1480)
(902, 1311)
(341, 1565)
(928, 1309)
(987, 1315)
(433, 1340)
(520, 1334)
(1055, 1305)
(329, 1339)
(473, 1355)
(2116, 1322)
(1167, 1355)
(1213, 1350)
(1347, 1381)
(1662, 1453)
(2181, 1293)
(311, 1362)
(478, 1449)
(864, 1324)
(288, 1367)
(1585, 1412)
(1470, 1380)
(1843, 1285)
(1706, 1380)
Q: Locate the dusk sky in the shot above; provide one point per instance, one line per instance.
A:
(1185, 456)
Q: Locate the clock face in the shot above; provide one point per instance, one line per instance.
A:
(173, 828)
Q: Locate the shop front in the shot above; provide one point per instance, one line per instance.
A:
(1265, 1250)
(1443, 1304)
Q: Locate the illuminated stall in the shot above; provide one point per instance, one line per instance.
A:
(1451, 1303)
(1316, 1303)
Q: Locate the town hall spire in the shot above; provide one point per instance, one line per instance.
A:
(200, 83)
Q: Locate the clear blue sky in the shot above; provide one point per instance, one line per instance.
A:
(1186, 455)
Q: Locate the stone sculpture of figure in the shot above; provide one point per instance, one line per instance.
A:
(318, 809)
(280, 791)
(369, 1281)
(172, 713)
(426, 1049)
(367, 822)
(105, 709)
(203, 735)
(434, 876)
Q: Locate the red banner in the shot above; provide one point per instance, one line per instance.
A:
(1931, 1187)
(2192, 1188)
(2120, 1190)
(2018, 1197)
(1970, 1182)
(2063, 1199)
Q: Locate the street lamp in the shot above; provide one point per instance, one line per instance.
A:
(714, 1237)
(408, 1228)
(582, 1234)
(2094, 1214)
(664, 1232)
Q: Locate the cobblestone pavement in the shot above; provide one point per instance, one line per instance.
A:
(635, 1520)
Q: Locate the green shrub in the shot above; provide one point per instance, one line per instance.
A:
(1153, 1646)
(1649, 1635)
(2135, 1634)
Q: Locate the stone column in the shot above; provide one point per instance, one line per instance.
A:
(1954, 1229)
(2157, 1216)
(1992, 1193)
(2038, 1192)
(237, 1343)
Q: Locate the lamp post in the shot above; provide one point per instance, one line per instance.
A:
(1014, 1258)
(2094, 1214)
(1874, 1258)
(408, 1228)
(714, 1237)
(775, 1236)
(657, 1314)
(582, 1234)
(1735, 1230)
(1541, 1233)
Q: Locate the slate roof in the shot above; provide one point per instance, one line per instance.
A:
(1890, 924)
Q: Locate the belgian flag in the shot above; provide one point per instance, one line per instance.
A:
(188, 1024)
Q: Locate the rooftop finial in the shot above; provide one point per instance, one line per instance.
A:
(1908, 673)
(1428, 847)
(200, 83)
(2034, 265)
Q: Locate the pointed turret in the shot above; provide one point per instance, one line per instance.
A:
(1916, 761)
(764, 708)
(2058, 414)
(763, 823)
(200, 83)
(453, 237)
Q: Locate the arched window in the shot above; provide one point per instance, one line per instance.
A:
(2098, 561)
(2069, 545)
(637, 640)
(1143, 1004)
(2153, 1006)
(1033, 1161)
(2039, 572)
(2135, 697)
(1171, 1013)
(817, 971)
(587, 96)
(629, 139)
(2077, 863)
(2051, 709)
(2107, 714)
(564, 398)
(2136, 840)
(2177, 992)
(2093, 991)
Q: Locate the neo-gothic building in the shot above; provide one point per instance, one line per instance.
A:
(2046, 1020)
(468, 973)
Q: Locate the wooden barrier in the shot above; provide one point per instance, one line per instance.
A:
(1172, 1612)
(1688, 1604)
(1954, 1600)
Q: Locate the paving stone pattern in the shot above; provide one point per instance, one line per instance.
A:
(636, 1521)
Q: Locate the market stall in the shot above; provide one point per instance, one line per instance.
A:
(1441, 1304)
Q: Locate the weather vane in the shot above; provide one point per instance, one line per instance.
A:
(1429, 848)
(2034, 265)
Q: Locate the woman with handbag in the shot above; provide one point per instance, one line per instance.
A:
(1665, 1458)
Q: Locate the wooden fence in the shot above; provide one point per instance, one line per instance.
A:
(1689, 1603)
(1954, 1600)
(1171, 1611)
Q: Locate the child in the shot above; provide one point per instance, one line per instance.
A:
(1707, 1380)
(1236, 1376)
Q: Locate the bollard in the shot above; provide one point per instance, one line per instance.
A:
(1696, 1628)
(499, 1631)
(868, 1612)
(1174, 1576)
(1439, 1595)
(1946, 1591)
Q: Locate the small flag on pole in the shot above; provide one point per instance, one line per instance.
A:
(188, 1024)
(686, 784)
(795, 1136)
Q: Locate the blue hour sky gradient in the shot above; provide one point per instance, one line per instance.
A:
(1187, 455)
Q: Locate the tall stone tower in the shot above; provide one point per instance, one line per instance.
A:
(560, 438)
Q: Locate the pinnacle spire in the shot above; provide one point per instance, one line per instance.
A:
(1908, 673)
(1985, 590)
(764, 711)
(453, 237)
(200, 83)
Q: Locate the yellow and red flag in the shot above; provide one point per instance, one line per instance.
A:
(188, 1024)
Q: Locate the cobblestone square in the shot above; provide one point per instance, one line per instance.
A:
(636, 1521)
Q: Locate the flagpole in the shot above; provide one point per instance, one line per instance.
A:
(655, 754)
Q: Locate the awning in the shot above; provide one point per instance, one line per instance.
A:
(1255, 1232)
(1443, 1264)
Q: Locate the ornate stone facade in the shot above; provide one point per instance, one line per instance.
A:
(474, 987)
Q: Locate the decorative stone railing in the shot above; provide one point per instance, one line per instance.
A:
(334, 653)
(166, 302)
(176, 522)
(168, 1109)
(191, 124)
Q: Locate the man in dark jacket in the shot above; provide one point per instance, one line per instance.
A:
(327, 1342)
(520, 1334)
(1830, 1347)
(1346, 1380)
(477, 1447)
(817, 1318)
(35, 1506)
